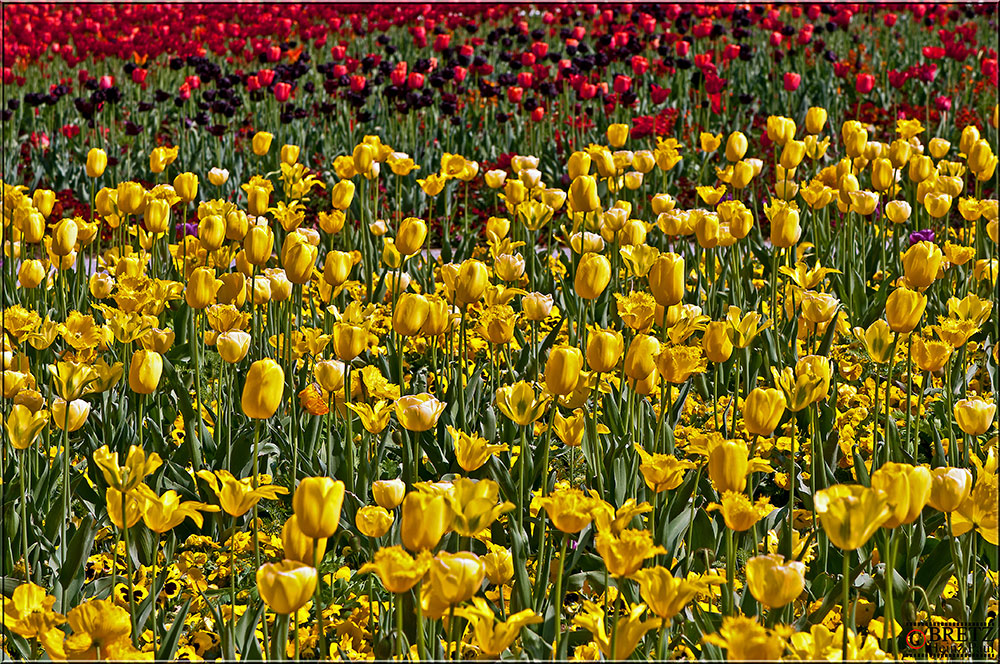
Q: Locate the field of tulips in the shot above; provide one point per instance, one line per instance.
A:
(499, 332)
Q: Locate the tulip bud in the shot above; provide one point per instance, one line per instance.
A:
(286, 586)
(157, 216)
(974, 416)
(425, 518)
(727, 466)
(186, 186)
(233, 345)
(562, 370)
(583, 194)
(904, 309)
(342, 194)
(317, 503)
(666, 279)
(409, 314)
(815, 119)
(949, 488)
(31, 273)
(736, 146)
(144, 371)
(64, 237)
(762, 410)
(258, 244)
(262, 143)
(212, 232)
(470, 282)
(289, 154)
(263, 389)
(410, 236)
(388, 493)
(593, 274)
(299, 261)
(201, 288)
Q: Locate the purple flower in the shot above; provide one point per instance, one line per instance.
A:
(926, 235)
(188, 228)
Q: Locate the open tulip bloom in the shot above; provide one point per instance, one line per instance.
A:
(506, 332)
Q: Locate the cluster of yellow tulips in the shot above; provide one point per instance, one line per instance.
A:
(601, 423)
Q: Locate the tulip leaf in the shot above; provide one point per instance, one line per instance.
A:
(71, 572)
(246, 632)
(827, 342)
(168, 647)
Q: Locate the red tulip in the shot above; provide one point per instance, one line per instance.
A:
(139, 75)
(525, 79)
(441, 42)
(273, 53)
(792, 81)
(682, 48)
(415, 81)
(106, 82)
(527, 59)
(266, 77)
(338, 52)
(358, 83)
(622, 84)
(282, 91)
(514, 94)
(460, 74)
(640, 65)
(864, 83)
(540, 49)
(658, 94)
(538, 114)
(889, 20)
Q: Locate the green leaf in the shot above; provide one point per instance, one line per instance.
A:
(168, 647)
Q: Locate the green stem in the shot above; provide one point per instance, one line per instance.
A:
(844, 611)
(730, 574)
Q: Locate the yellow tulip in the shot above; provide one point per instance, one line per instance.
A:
(419, 412)
(424, 520)
(850, 514)
(263, 389)
(317, 503)
(286, 586)
(773, 581)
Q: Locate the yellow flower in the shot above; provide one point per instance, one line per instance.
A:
(774, 582)
(850, 514)
(569, 509)
(71, 379)
(667, 595)
(425, 518)
(237, 497)
(979, 511)
(373, 418)
(624, 553)
(474, 505)
(419, 412)
(744, 329)
(472, 450)
(630, 629)
(739, 513)
(677, 363)
(520, 404)
(975, 416)
(317, 503)
(662, 472)
(710, 142)
(456, 577)
(907, 489)
(99, 627)
(166, 512)
(128, 477)
(491, 636)
(745, 639)
(397, 569)
(28, 613)
(373, 520)
(23, 426)
(286, 586)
